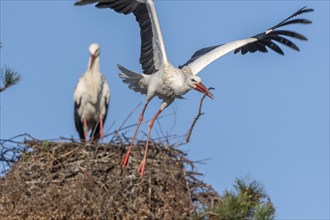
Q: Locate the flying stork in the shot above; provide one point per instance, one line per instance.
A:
(160, 78)
(91, 99)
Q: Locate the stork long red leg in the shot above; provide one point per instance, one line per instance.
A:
(85, 130)
(124, 161)
(143, 162)
(101, 129)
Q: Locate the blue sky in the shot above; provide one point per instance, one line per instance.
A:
(270, 118)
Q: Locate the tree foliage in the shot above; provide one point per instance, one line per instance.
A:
(248, 200)
(9, 78)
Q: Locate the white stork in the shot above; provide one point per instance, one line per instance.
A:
(91, 99)
(160, 78)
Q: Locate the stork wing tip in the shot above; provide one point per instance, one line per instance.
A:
(84, 2)
(78, 3)
(306, 9)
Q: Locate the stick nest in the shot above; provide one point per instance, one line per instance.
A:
(61, 180)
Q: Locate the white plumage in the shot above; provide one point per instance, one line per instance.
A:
(91, 99)
(160, 78)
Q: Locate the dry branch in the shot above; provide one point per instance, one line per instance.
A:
(200, 113)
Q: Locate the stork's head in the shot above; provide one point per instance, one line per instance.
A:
(194, 82)
(94, 50)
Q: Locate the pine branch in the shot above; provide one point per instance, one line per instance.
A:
(10, 78)
(247, 201)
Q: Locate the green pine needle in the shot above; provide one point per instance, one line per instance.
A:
(248, 200)
(10, 78)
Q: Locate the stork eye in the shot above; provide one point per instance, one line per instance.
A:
(193, 80)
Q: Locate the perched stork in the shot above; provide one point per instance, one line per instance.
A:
(160, 78)
(91, 99)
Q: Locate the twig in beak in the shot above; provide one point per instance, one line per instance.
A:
(200, 113)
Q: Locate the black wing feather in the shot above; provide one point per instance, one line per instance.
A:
(253, 48)
(77, 121)
(300, 11)
(261, 47)
(286, 42)
(272, 46)
(294, 21)
(289, 34)
(198, 54)
(267, 39)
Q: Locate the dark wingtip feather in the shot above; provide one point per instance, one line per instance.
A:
(84, 2)
(306, 21)
(267, 38)
(302, 10)
(307, 10)
(288, 33)
(281, 53)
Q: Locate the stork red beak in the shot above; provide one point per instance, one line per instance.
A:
(201, 88)
(92, 61)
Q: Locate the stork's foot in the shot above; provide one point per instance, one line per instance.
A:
(124, 161)
(142, 167)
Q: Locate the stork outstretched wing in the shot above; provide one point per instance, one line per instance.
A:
(203, 57)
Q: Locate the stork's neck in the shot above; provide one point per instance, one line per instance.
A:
(94, 67)
(176, 79)
(186, 84)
